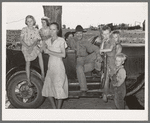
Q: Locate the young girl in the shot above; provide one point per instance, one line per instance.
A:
(118, 81)
(45, 30)
(30, 38)
(116, 37)
(56, 82)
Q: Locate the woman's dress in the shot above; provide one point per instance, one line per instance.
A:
(30, 36)
(56, 82)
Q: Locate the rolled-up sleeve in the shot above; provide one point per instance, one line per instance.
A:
(91, 48)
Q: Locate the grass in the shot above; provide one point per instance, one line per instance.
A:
(127, 36)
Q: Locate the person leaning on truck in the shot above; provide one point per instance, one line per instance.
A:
(88, 57)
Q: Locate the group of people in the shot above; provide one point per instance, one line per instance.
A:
(88, 57)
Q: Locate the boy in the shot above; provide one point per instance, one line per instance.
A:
(108, 47)
(118, 81)
(116, 37)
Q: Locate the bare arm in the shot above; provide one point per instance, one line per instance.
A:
(23, 43)
(61, 54)
(106, 50)
(118, 49)
(35, 43)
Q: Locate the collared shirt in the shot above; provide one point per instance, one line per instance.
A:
(83, 47)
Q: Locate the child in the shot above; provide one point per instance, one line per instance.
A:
(116, 37)
(68, 36)
(108, 47)
(30, 38)
(45, 31)
(118, 81)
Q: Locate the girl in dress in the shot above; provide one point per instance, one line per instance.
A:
(45, 30)
(56, 82)
(30, 38)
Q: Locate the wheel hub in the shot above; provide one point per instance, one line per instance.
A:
(26, 92)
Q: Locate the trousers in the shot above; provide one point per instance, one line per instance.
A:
(86, 64)
(120, 93)
(110, 72)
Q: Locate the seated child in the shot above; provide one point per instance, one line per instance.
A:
(116, 37)
(118, 81)
(30, 39)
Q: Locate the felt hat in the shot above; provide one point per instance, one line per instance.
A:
(79, 28)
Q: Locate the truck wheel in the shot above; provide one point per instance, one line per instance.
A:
(140, 95)
(136, 86)
(21, 95)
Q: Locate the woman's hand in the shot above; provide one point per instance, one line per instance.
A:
(30, 49)
(46, 51)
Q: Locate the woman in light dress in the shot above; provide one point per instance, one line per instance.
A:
(56, 82)
(30, 39)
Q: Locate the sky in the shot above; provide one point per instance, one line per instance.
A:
(85, 14)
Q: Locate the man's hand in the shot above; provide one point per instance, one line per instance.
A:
(99, 59)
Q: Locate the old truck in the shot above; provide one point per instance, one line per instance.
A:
(32, 98)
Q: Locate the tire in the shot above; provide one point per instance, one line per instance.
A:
(138, 84)
(33, 97)
(140, 95)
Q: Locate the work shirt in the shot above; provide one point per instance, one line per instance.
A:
(82, 47)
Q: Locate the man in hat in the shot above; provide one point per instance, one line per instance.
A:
(88, 57)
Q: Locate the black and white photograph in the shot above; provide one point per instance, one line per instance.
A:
(75, 61)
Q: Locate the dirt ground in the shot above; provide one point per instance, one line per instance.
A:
(82, 103)
(93, 103)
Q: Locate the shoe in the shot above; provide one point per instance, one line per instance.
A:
(105, 98)
(83, 93)
(96, 72)
(110, 96)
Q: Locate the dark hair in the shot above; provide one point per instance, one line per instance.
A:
(104, 28)
(30, 16)
(47, 22)
(67, 34)
(116, 32)
(56, 24)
